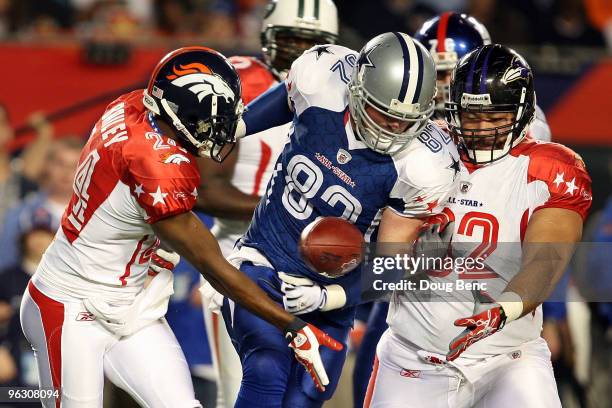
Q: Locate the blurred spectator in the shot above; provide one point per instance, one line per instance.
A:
(56, 190)
(391, 15)
(187, 16)
(141, 10)
(556, 332)
(600, 15)
(35, 234)
(18, 175)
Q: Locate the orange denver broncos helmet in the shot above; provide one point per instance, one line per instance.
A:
(197, 92)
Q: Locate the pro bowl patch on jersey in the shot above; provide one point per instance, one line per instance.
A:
(465, 186)
(336, 170)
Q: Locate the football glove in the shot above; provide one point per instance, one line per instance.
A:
(301, 295)
(305, 340)
(163, 260)
(434, 240)
(488, 318)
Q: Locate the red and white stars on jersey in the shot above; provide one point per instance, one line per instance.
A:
(129, 176)
(571, 185)
(491, 215)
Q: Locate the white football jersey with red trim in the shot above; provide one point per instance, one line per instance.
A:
(129, 176)
(257, 153)
(491, 210)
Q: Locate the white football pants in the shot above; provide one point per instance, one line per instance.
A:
(74, 352)
(404, 376)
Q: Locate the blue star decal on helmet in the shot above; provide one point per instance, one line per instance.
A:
(364, 59)
(322, 49)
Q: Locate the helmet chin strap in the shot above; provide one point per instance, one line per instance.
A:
(203, 148)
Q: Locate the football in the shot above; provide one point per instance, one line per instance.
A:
(331, 246)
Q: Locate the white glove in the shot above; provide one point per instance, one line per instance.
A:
(302, 295)
(211, 299)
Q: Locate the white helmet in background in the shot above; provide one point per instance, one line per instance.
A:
(290, 27)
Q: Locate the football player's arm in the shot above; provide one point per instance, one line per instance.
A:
(186, 234)
(395, 228)
(396, 234)
(547, 250)
(548, 246)
(217, 196)
(192, 240)
(268, 110)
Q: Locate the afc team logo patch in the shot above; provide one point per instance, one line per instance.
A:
(174, 158)
(343, 157)
(85, 317)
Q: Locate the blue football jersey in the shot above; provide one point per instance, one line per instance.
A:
(326, 171)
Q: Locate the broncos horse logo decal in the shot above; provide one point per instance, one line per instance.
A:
(200, 80)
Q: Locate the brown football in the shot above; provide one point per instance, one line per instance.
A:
(331, 246)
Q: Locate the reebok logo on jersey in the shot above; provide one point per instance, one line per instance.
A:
(175, 158)
(410, 373)
(465, 186)
(85, 317)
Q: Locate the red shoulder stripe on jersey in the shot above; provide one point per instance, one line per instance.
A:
(128, 267)
(52, 316)
(371, 384)
(442, 27)
(266, 154)
(524, 222)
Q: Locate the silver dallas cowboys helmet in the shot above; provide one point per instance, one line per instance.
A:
(396, 76)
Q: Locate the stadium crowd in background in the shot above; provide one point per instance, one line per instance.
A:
(559, 22)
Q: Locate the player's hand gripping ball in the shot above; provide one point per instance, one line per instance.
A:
(331, 246)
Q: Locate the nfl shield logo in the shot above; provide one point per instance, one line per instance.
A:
(343, 156)
(465, 186)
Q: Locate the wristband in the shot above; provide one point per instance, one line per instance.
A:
(512, 305)
(336, 298)
(293, 327)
